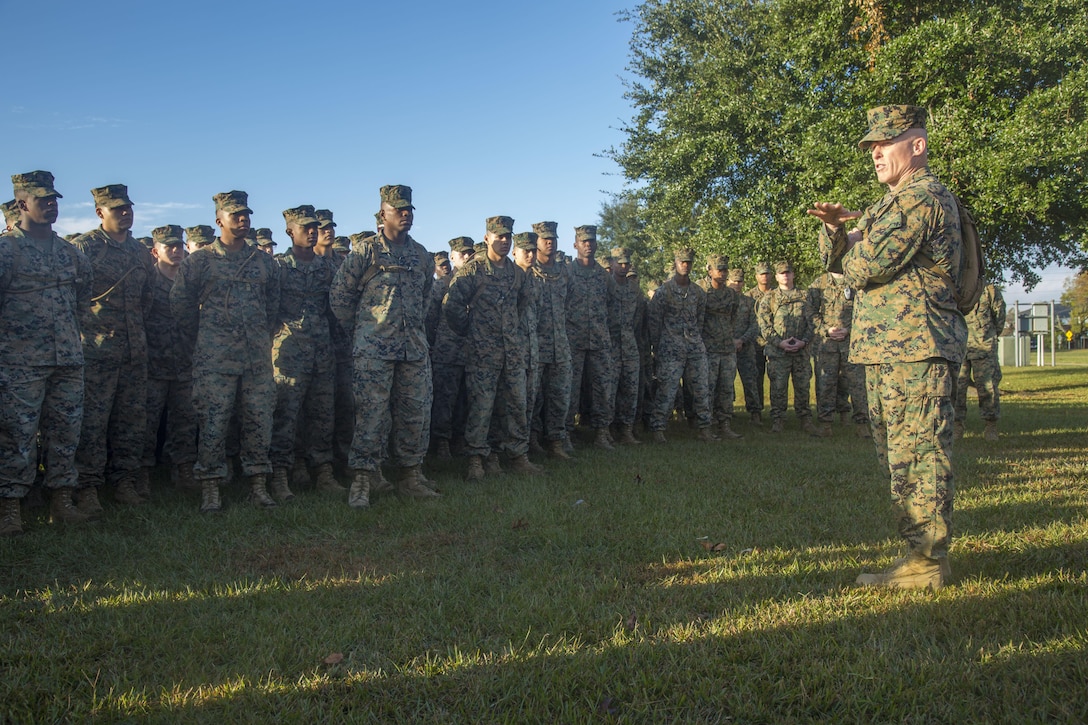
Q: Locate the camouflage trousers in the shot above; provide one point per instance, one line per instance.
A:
(111, 440)
(252, 397)
(343, 411)
(552, 402)
(599, 366)
(721, 374)
(984, 375)
(670, 368)
(746, 368)
(49, 399)
(392, 412)
(625, 391)
(780, 370)
(174, 398)
(449, 381)
(837, 379)
(496, 411)
(911, 415)
(305, 407)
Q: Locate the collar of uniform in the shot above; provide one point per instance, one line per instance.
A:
(910, 177)
(101, 234)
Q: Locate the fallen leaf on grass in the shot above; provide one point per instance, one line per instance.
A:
(713, 547)
(334, 659)
(521, 523)
(608, 706)
(638, 478)
(632, 620)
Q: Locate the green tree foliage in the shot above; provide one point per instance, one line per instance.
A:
(748, 111)
(1075, 294)
(622, 223)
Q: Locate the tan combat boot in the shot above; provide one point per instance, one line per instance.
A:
(411, 485)
(379, 484)
(707, 435)
(185, 480)
(725, 430)
(126, 491)
(11, 517)
(778, 426)
(280, 489)
(326, 481)
(209, 496)
(863, 430)
(534, 443)
(602, 440)
(359, 494)
(627, 436)
(522, 466)
(475, 469)
(300, 475)
(61, 509)
(142, 483)
(442, 450)
(991, 430)
(659, 437)
(913, 571)
(87, 502)
(823, 430)
(810, 429)
(258, 493)
(492, 467)
(558, 450)
(757, 418)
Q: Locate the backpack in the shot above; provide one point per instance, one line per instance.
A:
(972, 267)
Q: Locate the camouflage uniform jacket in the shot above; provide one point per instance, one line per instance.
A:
(832, 303)
(534, 284)
(784, 314)
(719, 325)
(44, 285)
(985, 323)
(551, 324)
(903, 312)
(590, 301)
(341, 341)
(113, 326)
(757, 296)
(746, 326)
(628, 310)
(226, 304)
(303, 342)
(676, 317)
(447, 347)
(167, 355)
(488, 303)
(383, 309)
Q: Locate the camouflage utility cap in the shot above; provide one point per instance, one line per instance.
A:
(397, 196)
(342, 245)
(11, 211)
(684, 254)
(764, 268)
(526, 241)
(264, 233)
(200, 235)
(324, 219)
(148, 242)
(546, 230)
(461, 244)
(887, 122)
(35, 183)
(500, 225)
(783, 267)
(717, 261)
(440, 256)
(362, 236)
(111, 196)
(621, 255)
(302, 215)
(168, 234)
(232, 202)
(479, 248)
(736, 275)
(251, 235)
(585, 233)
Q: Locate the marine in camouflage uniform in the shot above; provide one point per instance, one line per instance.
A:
(832, 303)
(380, 296)
(45, 284)
(591, 327)
(111, 441)
(551, 405)
(785, 323)
(908, 332)
(524, 251)
(980, 368)
(676, 315)
(488, 300)
(723, 307)
(629, 311)
(764, 284)
(199, 236)
(746, 328)
(226, 299)
(10, 209)
(335, 252)
(302, 359)
(169, 367)
(447, 360)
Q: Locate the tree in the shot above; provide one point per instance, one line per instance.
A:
(622, 224)
(1075, 294)
(747, 111)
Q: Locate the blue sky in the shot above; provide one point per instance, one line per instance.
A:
(482, 108)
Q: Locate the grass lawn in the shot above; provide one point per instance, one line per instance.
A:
(688, 582)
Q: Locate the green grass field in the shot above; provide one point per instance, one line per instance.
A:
(586, 596)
